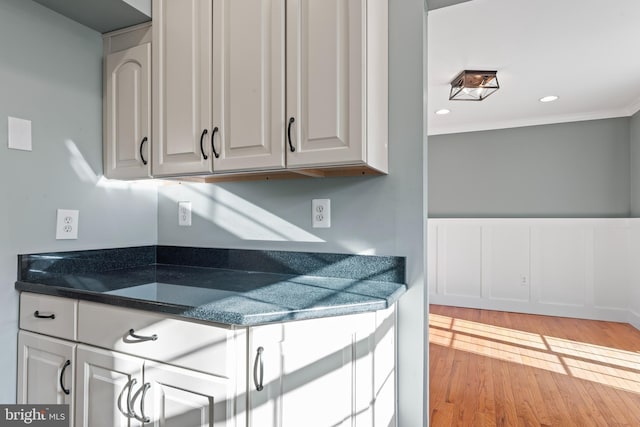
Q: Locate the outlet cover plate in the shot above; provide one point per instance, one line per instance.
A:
(321, 213)
(67, 224)
(184, 214)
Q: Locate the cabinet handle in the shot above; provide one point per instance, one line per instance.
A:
(142, 337)
(43, 316)
(291, 147)
(213, 147)
(258, 361)
(142, 417)
(64, 368)
(144, 162)
(127, 386)
(204, 156)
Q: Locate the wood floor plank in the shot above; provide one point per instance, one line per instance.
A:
(490, 368)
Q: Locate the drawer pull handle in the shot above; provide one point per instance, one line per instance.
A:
(291, 147)
(44, 316)
(258, 361)
(142, 337)
(64, 368)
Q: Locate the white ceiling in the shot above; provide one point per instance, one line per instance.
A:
(587, 52)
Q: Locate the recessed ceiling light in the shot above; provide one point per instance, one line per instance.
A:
(549, 98)
(443, 111)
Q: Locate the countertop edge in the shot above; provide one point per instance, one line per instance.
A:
(227, 319)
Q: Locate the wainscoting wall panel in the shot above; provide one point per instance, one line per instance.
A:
(460, 246)
(634, 263)
(508, 281)
(588, 268)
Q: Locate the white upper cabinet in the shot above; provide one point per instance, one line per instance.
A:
(336, 84)
(182, 87)
(256, 85)
(248, 84)
(127, 152)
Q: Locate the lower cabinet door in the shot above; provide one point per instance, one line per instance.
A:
(107, 383)
(178, 397)
(304, 373)
(45, 370)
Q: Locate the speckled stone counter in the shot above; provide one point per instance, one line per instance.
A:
(226, 286)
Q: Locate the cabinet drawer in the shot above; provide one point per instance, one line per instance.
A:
(191, 345)
(49, 315)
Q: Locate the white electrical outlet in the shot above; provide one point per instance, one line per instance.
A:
(321, 213)
(67, 224)
(184, 214)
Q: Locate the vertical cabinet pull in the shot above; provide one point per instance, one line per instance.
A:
(258, 363)
(204, 156)
(144, 162)
(213, 147)
(64, 368)
(291, 147)
(142, 417)
(43, 316)
(129, 413)
(142, 337)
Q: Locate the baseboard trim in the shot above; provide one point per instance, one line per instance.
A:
(579, 312)
(634, 319)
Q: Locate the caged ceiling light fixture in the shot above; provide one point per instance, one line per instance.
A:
(473, 85)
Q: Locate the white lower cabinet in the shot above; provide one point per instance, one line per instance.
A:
(336, 371)
(115, 389)
(179, 397)
(131, 368)
(45, 370)
(106, 381)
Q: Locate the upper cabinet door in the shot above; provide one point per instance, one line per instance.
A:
(249, 84)
(325, 82)
(182, 87)
(128, 113)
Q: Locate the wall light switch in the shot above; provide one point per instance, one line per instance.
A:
(67, 224)
(19, 134)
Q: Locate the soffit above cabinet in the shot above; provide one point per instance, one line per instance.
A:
(438, 4)
(102, 15)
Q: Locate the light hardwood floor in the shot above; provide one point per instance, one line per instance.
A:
(490, 368)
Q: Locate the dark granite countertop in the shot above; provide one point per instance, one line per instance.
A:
(231, 287)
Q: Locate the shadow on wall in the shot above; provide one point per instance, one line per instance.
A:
(277, 215)
(244, 219)
(86, 174)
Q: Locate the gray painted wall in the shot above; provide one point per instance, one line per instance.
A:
(578, 169)
(380, 215)
(634, 138)
(50, 73)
